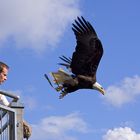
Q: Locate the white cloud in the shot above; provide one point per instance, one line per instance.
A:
(124, 92)
(125, 133)
(59, 127)
(35, 23)
(30, 103)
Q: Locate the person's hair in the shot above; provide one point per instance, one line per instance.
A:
(3, 65)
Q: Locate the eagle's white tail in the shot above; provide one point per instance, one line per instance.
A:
(60, 76)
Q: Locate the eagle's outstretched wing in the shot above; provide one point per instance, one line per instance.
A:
(88, 51)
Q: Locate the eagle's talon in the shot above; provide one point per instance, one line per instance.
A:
(62, 95)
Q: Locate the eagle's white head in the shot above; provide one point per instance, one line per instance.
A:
(98, 87)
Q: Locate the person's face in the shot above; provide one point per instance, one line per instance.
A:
(3, 75)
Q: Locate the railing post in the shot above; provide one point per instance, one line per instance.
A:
(19, 119)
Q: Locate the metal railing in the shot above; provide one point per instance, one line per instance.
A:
(7, 123)
(11, 119)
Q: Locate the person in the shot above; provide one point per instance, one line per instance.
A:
(4, 68)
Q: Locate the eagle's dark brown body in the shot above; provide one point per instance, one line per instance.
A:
(78, 82)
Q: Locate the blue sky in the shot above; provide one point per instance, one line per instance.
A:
(34, 33)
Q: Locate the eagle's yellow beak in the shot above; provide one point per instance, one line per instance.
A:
(101, 90)
(98, 87)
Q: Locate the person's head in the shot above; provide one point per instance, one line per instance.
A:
(3, 72)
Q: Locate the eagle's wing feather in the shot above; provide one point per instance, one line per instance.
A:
(88, 51)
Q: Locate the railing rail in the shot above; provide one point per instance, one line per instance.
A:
(11, 95)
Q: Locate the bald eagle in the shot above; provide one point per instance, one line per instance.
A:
(83, 64)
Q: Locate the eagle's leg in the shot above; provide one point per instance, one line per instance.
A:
(59, 88)
(63, 93)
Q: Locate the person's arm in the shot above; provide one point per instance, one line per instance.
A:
(4, 100)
